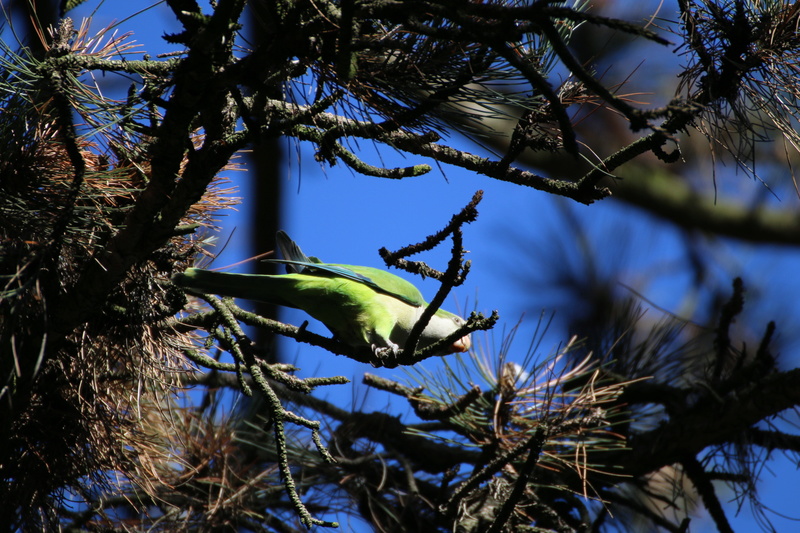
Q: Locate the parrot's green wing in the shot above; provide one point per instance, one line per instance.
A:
(298, 262)
(375, 278)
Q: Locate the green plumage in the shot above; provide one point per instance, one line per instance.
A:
(363, 306)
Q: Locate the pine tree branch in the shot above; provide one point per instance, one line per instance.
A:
(696, 473)
(160, 206)
(710, 422)
(419, 145)
(670, 197)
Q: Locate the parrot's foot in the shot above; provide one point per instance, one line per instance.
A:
(386, 356)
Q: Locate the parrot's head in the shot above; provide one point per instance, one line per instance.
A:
(464, 343)
(442, 324)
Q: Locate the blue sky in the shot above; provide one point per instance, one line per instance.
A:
(342, 217)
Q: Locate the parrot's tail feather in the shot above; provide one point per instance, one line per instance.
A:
(261, 288)
(291, 252)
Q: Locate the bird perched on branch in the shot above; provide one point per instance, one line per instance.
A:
(362, 306)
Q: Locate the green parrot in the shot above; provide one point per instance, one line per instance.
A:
(362, 306)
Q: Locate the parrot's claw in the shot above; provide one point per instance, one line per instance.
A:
(386, 355)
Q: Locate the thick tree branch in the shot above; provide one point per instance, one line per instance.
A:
(711, 422)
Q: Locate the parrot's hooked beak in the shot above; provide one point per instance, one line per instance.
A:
(462, 345)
